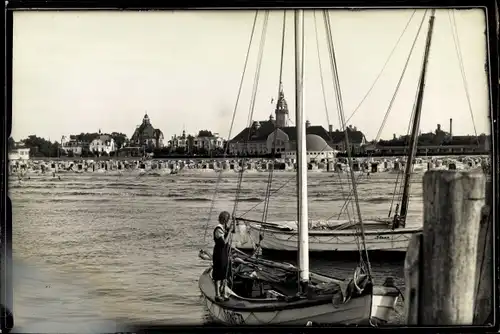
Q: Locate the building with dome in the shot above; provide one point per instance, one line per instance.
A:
(317, 149)
(146, 136)
(258, 139)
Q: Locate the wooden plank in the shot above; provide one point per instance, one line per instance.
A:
(453, 202)
(412, 279)
(484, 270)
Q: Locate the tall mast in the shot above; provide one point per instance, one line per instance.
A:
(302, 214)
(416, 125)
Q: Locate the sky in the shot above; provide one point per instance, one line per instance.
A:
(78, 71)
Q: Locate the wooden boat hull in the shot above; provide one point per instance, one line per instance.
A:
(384, 239)
(355, 311)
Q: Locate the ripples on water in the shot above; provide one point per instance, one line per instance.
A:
(96, 247)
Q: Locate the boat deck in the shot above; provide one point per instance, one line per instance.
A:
(236, 302)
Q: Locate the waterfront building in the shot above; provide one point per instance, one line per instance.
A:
(209, 143)
(19, 153)
(179, 142)
(437, 142)
(146, 136)
(103, 143)
(72, 144)
(262, 136)
(318, 150)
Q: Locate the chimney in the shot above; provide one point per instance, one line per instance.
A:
(394, 136)
(308, 124)
(451, 127)
(330, 129)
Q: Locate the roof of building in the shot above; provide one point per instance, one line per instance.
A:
(267, 127)
(104, 138)
(253, 134)
(145, 130)
(355, 136)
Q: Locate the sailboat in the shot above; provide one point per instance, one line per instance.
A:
(380, 234)
(263, 292)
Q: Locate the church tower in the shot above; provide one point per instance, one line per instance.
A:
(281, 110)
(145, 120)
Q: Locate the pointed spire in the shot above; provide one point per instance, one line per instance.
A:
(281, 109)
(146, 118)
(281, 103)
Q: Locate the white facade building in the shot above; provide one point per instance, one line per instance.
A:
(181, 141)
(103, 143)
(209, 143)
(19, 154)
(72, 144)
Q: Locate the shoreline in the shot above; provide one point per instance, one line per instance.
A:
(206, 158)
(178, 166)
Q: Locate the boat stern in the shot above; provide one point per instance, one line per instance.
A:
(385, 298)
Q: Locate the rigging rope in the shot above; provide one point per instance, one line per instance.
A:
(324, 100)
(252, 106)
(273, 149)
(456, 42)
(343, 125)
(345, 196)
(232, 123)
(321, 71)
(324, 95)
(379, 133)
(383, 67)
(377, 138)
(410, 123)
(391, 103)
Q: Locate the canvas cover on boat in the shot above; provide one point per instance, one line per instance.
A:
(286, 280)
(263, 273)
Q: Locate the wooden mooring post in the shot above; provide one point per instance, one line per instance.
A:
(447, 264)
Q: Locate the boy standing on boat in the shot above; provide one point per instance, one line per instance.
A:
(220, 257)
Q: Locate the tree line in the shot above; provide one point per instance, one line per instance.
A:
(41, 147)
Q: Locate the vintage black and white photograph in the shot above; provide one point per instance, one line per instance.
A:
(298, 167)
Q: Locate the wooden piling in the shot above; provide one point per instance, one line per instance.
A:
(412, 279)
(483, 311)
(453, 202)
